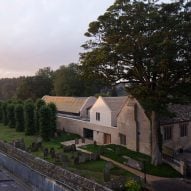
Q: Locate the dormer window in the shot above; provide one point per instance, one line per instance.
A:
(97, 116)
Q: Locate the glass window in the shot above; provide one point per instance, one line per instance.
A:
(167, 133)
(183, 129)
(97, 116)
(122, 139)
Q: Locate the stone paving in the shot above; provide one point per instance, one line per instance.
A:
(87, 142)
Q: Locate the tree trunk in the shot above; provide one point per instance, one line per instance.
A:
(156, 154)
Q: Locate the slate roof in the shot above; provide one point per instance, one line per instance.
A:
(115, 103)
(66, 104)
(181, 113)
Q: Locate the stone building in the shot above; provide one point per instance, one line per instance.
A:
(74, 106)
(122, 120)
(176, 130)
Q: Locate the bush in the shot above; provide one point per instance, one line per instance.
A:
(29, 118)
(132, 185)
(44, 119)
(53, 112)
(4, 115)
(19, 117)
(11, 115)
(38, 105)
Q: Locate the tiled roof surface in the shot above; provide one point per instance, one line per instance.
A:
(181, 113)
(115, 103)
(66, 104)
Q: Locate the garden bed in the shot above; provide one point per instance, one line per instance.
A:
(117, 153)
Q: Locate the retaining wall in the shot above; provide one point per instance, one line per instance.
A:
(44, 176)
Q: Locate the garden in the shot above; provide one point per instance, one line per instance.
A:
(121, 154)
(95, 169)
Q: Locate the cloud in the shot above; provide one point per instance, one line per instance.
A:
(39, 33)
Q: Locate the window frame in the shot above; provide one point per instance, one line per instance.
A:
(183, 129)
(168, 133)
(98, 116)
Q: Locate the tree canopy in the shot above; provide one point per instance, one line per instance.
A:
(146, 44)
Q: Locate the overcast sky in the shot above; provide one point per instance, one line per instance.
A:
(39, 33)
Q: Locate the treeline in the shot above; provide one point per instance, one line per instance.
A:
(33, 118)
(66, 81)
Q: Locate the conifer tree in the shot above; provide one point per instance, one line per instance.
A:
(29, 118)
(53, 117)
(19, 118)
(44, 119)
(11, 115)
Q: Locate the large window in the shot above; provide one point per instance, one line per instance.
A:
(122, 139)
(183, 129)
(167, 133)
(97, 116)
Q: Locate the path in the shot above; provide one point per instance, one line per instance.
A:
(149, 178)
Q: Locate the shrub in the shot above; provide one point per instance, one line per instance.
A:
(44, 119)
(19, 117)
(132, 185)
(29, 118)
(11, 115)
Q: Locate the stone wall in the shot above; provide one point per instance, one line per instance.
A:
(77, 126)
(134, 124)
(177, 141)
(50, 170)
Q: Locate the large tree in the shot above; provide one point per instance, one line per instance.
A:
(148, 45)
(68, 82)
(36, 86)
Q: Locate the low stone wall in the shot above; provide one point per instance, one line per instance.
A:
(77, 126)
(50, 170)
(177, 165)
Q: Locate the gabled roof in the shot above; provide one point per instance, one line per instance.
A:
(115, 103)
(66, 104)
(181, 113)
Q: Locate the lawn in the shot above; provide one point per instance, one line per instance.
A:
(91, 169)
(97, 167)
(9, 134)
(117, 153)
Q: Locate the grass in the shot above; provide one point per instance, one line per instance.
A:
(97, 167)
(9, 134)
(91, 169)
(117, 153)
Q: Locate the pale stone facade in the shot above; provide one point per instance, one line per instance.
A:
(177, 142)
(107, 108)
(79, 126)
(135, 126)
(131, 122)
(132, 127)
(176, 131)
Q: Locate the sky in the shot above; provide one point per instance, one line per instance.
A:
(40, 33)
